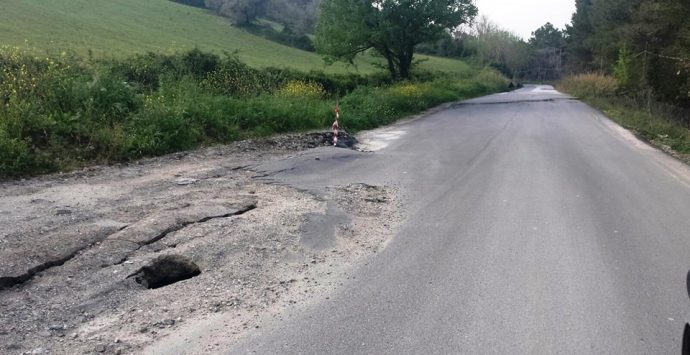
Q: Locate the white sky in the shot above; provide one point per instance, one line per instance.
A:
(524, 16)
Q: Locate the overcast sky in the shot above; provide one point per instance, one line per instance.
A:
(524, 16)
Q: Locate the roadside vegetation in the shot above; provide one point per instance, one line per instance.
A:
(64, 110)
(636, 60)
(149, 78)
(661, 124)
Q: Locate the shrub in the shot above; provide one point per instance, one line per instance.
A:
(234, 78)
(369, 107)
(589, 85)
(286, 36)
(268, 114)
(302, 89)
(15, 156)
(198, 63)
(622, 71)
(491, 80)
(146, 70)
(159, 128)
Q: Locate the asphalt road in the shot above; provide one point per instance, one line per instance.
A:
(533, 226)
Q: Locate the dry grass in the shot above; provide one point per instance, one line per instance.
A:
(589, 85)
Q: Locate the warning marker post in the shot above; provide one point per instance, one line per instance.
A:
(336, 125)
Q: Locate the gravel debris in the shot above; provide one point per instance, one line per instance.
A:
(64, 280)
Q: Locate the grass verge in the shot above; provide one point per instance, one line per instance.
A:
(662, 125)
(63, 111)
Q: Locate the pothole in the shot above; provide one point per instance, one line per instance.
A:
(166, 270)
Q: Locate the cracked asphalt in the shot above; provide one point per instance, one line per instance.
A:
(533, 225)
(175, 252)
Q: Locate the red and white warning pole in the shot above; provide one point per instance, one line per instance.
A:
(336, 125)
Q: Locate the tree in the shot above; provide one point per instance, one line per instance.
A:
(499, 48)
(299, 15)
(240, 12)
(645, 43)
(392, 28)
(547, 44)
(622, 71)
(579, 55)
(547, 36)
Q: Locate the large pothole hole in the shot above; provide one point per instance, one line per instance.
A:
(166, 270)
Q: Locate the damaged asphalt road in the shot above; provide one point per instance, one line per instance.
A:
(532, 225)
(114, 259)
(520, 223)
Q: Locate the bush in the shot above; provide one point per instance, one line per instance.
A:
(270, 114)
(286, 36)
(491, 81)
(369, 107)
(15, 156)
(302, 89)
(234, 78)
(589, 85)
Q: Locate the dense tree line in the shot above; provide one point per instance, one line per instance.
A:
(645, 44)
(540, 58)
(487, 43)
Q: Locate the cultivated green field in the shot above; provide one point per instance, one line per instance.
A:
(124, 27)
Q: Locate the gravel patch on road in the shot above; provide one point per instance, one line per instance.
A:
(113, 259)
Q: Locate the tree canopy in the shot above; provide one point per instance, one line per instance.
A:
(644, 42)
(497, 47)
(547, 36)
(392, 28)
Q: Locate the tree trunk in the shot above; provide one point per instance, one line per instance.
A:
(404, 69)
(391, 67)
(391, 62)
(405, 65)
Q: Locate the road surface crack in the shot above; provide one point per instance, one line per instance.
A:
(10, 281)
(180, 226)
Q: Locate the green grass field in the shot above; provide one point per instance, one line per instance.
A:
(123, 27)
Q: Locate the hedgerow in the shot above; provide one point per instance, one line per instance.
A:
(62, 111)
